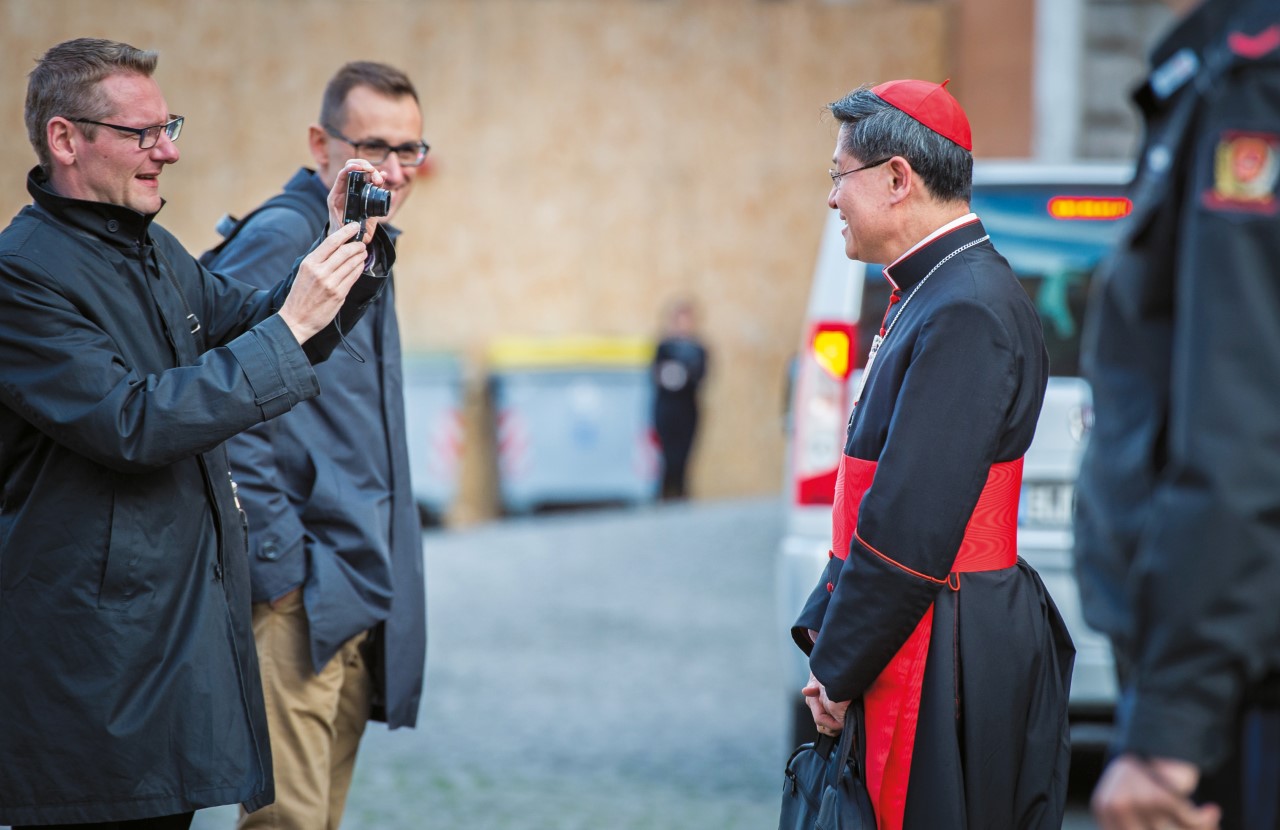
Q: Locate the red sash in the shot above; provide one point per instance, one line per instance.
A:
(893, 702)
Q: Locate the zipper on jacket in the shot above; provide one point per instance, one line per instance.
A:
(212, 493)
(244, 517)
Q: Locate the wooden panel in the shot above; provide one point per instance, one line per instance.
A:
(993, 78)
(593, 160)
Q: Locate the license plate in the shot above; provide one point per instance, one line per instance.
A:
(1046, 505)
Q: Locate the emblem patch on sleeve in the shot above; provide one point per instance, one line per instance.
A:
(1246, 167)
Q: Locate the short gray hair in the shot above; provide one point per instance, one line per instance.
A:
(872, 129)
(66, 82)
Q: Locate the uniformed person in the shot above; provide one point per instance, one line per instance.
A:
(925, 615)
(1178, 515)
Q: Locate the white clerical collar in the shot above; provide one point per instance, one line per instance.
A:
(945, 229)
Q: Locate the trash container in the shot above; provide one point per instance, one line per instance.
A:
(572, 422)
(433, 401)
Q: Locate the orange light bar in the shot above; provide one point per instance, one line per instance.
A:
(831, 351)
(1097, 208)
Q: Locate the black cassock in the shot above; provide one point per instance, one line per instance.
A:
(951, 400)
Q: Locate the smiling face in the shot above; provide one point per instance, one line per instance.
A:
(371, 117)
(855, 196)
(111, 168)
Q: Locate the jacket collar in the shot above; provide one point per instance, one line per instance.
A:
(912, 266)
(119, 226)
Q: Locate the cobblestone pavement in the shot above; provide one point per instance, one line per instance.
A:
(611, 670)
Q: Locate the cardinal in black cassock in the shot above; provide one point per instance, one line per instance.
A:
(925, 613)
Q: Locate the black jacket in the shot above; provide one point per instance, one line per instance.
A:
(1178, 514)
(130, 685)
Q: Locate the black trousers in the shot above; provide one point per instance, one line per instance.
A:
(179, 822)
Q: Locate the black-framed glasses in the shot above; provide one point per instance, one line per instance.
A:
(835, 177)
(409, 154)
(148, 137)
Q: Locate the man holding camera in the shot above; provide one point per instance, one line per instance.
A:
(130, 691)
(335, 547)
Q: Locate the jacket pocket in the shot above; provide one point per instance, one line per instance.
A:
(123, 553)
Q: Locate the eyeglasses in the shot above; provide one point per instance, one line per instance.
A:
(835, 177)
(409, 154)
(148, 137)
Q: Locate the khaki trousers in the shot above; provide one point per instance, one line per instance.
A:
(315, 720)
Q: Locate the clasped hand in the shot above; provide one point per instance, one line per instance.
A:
(828, 715)
(1151, 794)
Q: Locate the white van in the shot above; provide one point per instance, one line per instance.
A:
(1054, 224)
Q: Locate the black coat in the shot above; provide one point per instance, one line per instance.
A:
(130, 685)
(1178, 512)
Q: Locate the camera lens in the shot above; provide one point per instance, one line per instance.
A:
(377, 200)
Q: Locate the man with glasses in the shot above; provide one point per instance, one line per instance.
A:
(335, 547)
(926, 616)
(130, 692)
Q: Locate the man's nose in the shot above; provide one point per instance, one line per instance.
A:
(165, 150)
(392, 170)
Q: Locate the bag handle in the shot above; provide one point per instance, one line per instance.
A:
(851, 731)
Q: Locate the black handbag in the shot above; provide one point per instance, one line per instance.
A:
(823, 787)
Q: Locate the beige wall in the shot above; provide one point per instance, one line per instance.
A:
(593, 159)
(993, 43)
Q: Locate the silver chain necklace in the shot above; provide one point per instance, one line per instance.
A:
(875, 345)
(879, 338)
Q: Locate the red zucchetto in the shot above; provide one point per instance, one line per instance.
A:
(931, 105)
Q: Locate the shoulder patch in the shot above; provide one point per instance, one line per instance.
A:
(1246, 167)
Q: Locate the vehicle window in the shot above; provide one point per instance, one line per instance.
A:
(1054, 238)
(875, 299)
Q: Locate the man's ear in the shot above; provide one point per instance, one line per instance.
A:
(64, 140)
(902, 179)
(318, 143)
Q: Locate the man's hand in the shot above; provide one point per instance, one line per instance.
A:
(827, 716)
(324, 278)
(283, 598)
(1155, 794)
(338, 195)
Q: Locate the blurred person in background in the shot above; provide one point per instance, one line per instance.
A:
(335, 548)
(679, 367)
(926, 617)
(1178, 514)
(130, 693)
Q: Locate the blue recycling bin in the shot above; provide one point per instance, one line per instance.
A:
(433, 402)
(573, 422)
